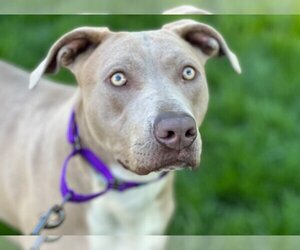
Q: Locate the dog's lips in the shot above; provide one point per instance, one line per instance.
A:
(123, 165)
(175, 165)
(170, 166)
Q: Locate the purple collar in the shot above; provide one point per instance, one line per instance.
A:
(112, 183)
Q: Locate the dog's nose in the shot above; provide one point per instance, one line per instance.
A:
(175, 131)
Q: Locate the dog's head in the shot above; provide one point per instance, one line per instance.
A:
(144, 94)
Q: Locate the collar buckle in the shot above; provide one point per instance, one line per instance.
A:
(116, 184)
(76, 143)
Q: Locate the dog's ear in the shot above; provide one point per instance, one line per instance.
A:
(66, 50)
(186, 10)
(206, 38)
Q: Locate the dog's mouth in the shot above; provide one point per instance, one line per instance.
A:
(164, 167)
(123, 165)
(143, 162)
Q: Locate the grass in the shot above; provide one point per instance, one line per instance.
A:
(150, 7)
(7, 245)
(248, 182)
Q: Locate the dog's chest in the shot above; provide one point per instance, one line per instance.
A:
(134, 211)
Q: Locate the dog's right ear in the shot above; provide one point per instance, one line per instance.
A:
(66, 49)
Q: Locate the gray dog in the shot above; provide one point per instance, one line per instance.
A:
(140, 98)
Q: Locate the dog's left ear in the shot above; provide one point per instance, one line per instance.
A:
(206, 38)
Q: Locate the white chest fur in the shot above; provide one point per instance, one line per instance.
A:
(133, 212)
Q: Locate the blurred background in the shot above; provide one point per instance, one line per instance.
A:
(248, 181)
(149, 7)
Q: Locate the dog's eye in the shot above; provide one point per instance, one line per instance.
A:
(118, 79)
(188, 73)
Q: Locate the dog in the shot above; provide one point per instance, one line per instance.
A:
(140, 99)
(186, 10)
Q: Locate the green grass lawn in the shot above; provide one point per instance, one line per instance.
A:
(150, 7)
(248, 182)
(5, 244)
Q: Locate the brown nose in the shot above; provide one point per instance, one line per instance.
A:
(175, 130)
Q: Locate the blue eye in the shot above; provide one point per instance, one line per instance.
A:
(188, 73)
(118, 79)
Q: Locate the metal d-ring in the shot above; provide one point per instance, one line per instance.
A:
(59, 212)
(46, 222)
